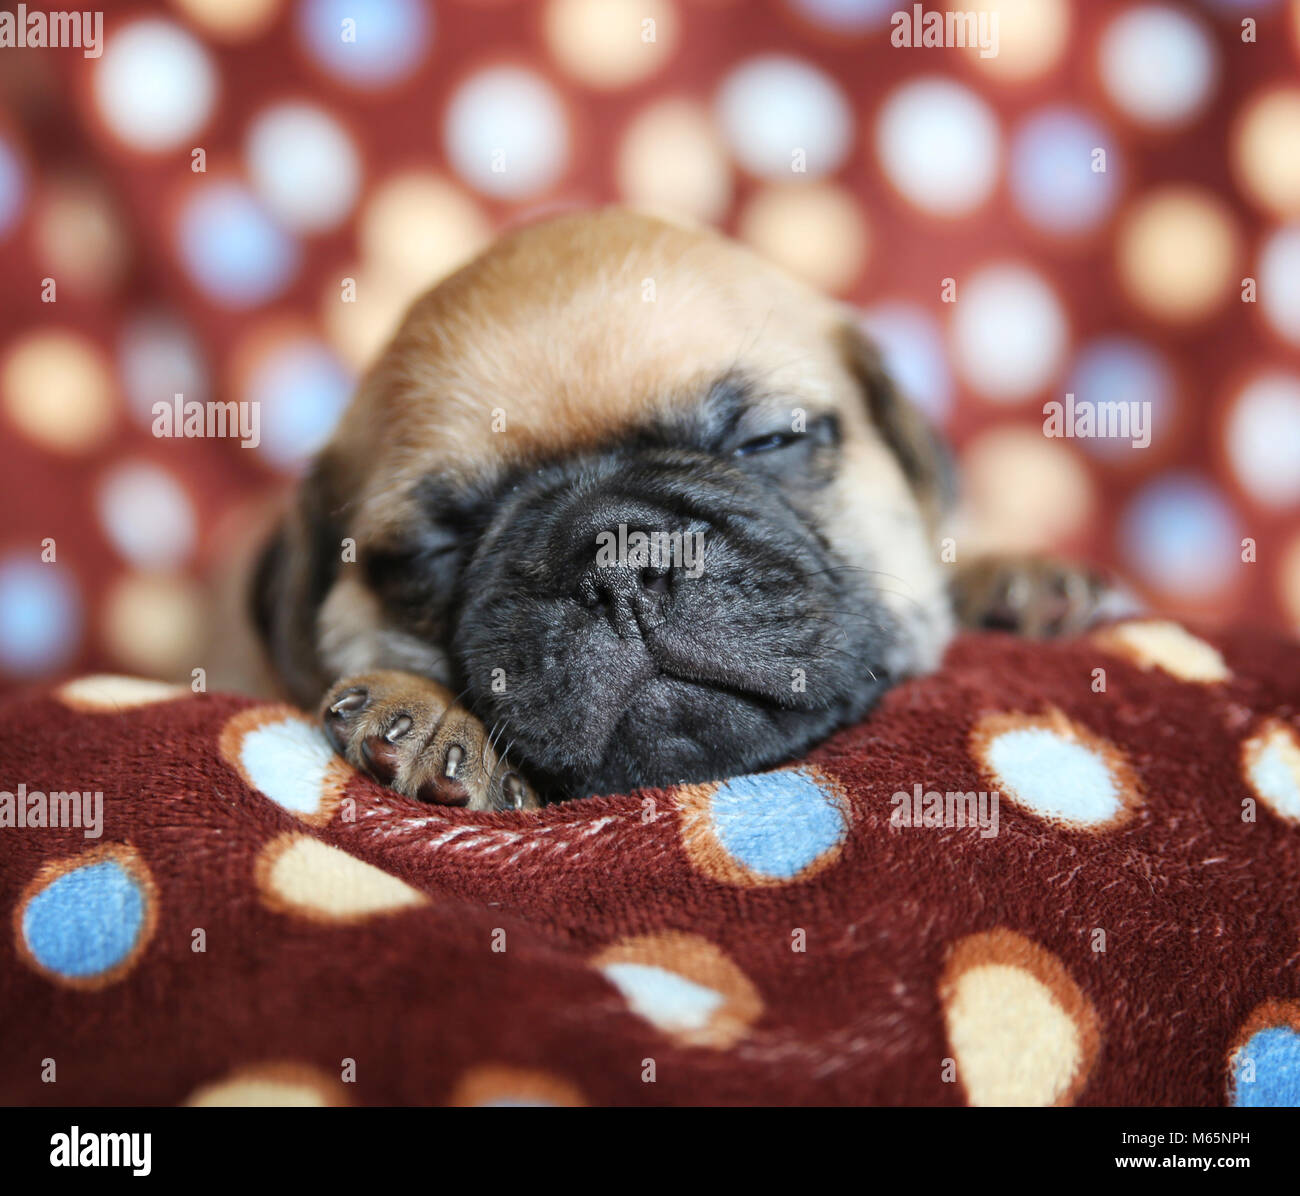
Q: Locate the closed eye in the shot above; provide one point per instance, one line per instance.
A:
(768, 444)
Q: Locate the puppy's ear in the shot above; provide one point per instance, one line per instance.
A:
(925, 459)
(293, 576)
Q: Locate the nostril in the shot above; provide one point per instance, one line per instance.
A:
(655, 581)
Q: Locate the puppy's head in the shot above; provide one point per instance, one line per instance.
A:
(653, 507)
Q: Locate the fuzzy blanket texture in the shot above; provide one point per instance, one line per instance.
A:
(245, 920)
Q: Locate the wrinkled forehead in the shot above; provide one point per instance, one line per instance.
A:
(555, 345)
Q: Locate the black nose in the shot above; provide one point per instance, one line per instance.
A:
(632, 597)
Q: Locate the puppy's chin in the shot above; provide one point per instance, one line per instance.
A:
(599, 678)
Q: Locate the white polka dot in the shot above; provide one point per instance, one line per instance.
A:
(777, 112)
(1009, 332)
(1053, 776)
(155, 85)
(158, 358)
(912, 344)
(506, 133)
(1272, 762)
(290, 762)
(303, 166)
(671, 1002)
(1179, 535)
(1158, 65)
(147, 515)
(939, 144)
(1263, 439)
(1279, 282)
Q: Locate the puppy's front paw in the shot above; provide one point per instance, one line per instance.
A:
(1038, 597)
(407, 733)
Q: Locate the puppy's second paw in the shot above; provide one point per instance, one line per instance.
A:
(407, 733)
(1038, 597)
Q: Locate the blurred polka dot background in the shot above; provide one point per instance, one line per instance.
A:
(235, 201)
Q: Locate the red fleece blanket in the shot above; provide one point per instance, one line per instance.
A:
(1047, 874)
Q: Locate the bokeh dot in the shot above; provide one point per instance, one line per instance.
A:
(816, 232)
(300, 388)
(13, 187)
(940, 146)
(506, 132)
(303, 166)
(80, 239)
(417, 227)
(369, 45)
(1288, 581)
(360, 327)
(1009, 332)
(609, 44)
(845, 16)
(158, 358)
(231, 246)
(230, 20)
(40, 617)
(1003, 467)
(153, 623)
(1177, 252)
(1127, 372)
(147, 515)
(1180, 536)
(672, 160)
(155, 85)
(1054, 172)
(777, 113)
(1158, 65)
(911, 342)
(1266, 151)
(58, 390)
(1279, 282)
(1032, 34)
(1262, 439)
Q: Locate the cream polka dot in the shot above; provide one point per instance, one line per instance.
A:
(815, 231)
(672, 160)
(108, 694)
(1157, 644)
(1056, 769)
(1009, 332)
(1002, 465)
(152, 623)
(58, 390)
(271, 1085)
(609, 44)
(682, 985)
(1270, 760)
(416, 228)
(1266, 150)
(1031, 36)
(287, 759)
(1177, 253)
(301, 875)
(361, 326)
(80, 237)
(1021, 1031)
(230, 20)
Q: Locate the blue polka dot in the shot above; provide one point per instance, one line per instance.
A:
(87, 921)
(1124, 371)
(846, 16)
(776, 824)
(13, 187)
(301, 392)
(385, 39)
(232, 249)
(1052, 177)
(1275, 1056)
(1179, 534)
(913, 349)
(40, 618)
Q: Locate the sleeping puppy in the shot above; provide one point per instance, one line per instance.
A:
(620, 505)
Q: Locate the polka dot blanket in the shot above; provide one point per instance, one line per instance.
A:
(1047, 874)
